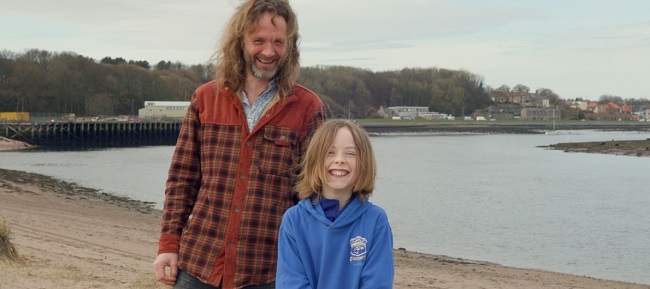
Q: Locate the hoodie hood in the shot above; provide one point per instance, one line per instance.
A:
(352, 212)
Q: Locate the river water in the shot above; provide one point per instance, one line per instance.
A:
(496, 198)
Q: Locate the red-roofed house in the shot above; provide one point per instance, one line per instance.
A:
(611, 111)
(592, 106)
(627, 109)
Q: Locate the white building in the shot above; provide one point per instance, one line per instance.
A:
(415, 112)
(163, 109)
(407, 112)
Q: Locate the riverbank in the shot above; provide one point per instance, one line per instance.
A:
(10, 144)
(72, 237)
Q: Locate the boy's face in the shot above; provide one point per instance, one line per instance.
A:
(340, 166)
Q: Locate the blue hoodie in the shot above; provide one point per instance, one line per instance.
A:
(353, 251)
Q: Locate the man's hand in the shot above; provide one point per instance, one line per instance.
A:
(161, 265)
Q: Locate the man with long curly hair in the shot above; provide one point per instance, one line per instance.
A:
(237, 156)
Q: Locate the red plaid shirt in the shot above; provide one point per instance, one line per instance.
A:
(227, 188)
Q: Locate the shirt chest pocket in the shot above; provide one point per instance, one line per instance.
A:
(278, 153)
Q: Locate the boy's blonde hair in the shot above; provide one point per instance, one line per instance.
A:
(313, 173)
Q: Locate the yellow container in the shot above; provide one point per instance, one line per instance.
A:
(15, 116)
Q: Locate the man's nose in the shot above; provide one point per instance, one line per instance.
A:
(268, 50)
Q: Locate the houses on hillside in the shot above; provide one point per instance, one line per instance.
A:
(507, 106)
(532, 106)
(520, 105)
(534, 113)
(497, 112)
(612, 111)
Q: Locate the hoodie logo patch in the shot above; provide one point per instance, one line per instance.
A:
(358, 249)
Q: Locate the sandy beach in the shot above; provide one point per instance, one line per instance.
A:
(68, 236)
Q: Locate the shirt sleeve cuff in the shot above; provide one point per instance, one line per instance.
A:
(168, 244)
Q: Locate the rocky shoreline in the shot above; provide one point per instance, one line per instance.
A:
(10, 178)
(639, 148)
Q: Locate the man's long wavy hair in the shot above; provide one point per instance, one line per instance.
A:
(230, 64)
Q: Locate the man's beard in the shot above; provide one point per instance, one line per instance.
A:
(261, 74)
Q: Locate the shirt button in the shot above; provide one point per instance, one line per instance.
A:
(242, 177)
(236, 210)
(248, 143)
(229, 243)
(268, 115)
(283, 137)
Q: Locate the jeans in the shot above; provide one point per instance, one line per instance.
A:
(187, 281)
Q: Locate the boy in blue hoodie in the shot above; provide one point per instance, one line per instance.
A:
(334, 238)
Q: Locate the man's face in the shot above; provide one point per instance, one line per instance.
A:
(265, 47)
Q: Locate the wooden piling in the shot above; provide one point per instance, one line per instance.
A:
(93, 134)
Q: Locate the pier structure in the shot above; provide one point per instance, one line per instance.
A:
(93, 134)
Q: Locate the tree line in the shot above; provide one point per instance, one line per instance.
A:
(52, 82)
(40, 81)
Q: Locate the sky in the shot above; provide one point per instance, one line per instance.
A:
(576, 48)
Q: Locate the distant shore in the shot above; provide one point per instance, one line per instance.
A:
(392, 128)
(498, 127)
(69, 236)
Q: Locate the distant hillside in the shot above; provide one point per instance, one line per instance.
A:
(40, 81)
